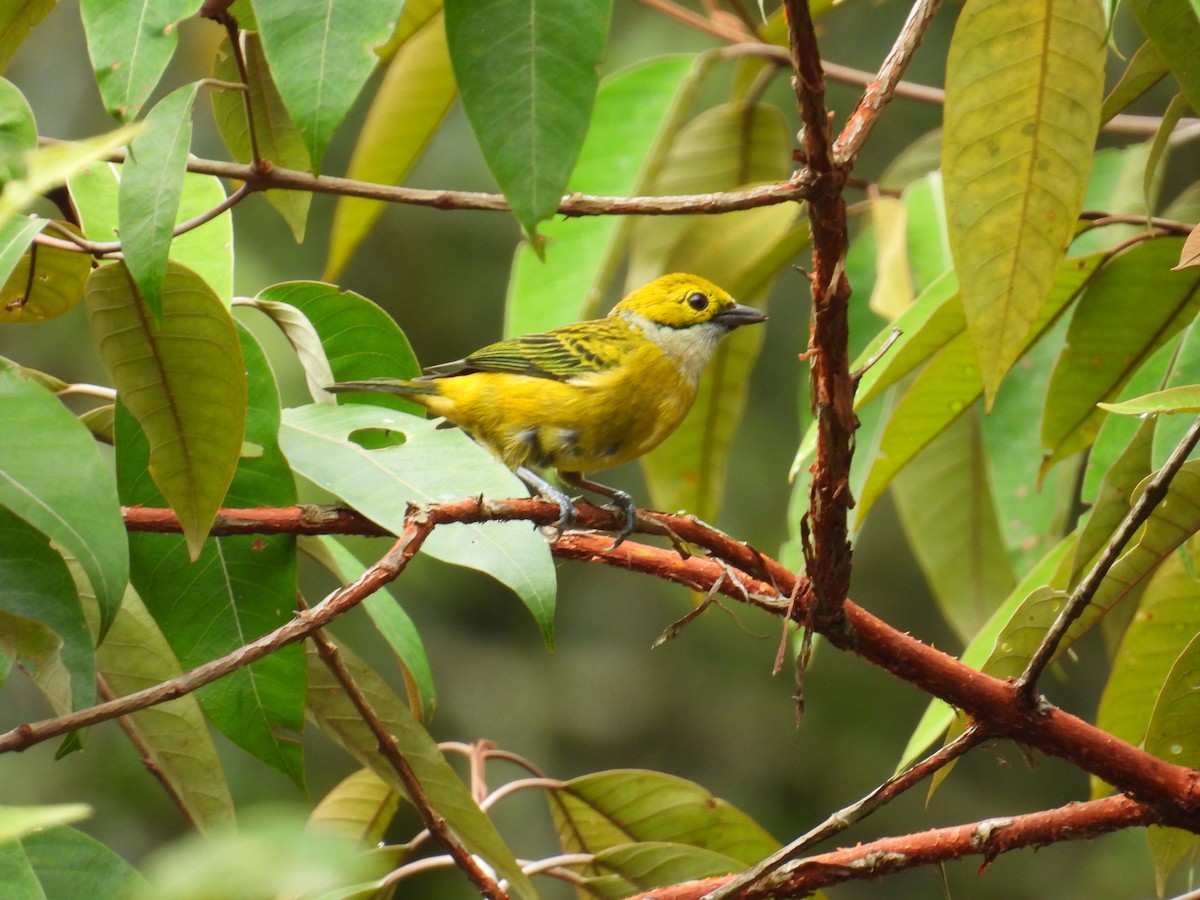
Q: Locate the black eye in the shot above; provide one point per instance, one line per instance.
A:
(697, 301)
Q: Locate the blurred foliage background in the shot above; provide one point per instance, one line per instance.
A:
(704, 706)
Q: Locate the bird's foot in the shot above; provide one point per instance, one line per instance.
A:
(623, 504)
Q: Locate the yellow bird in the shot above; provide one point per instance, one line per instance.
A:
(586, 396)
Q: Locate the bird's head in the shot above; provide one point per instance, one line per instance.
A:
(682, 301)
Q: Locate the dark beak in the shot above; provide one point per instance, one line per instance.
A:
(738, 314)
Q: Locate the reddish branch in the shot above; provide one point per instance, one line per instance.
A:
(988, 839)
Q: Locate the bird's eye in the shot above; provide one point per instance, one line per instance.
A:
(697, 301)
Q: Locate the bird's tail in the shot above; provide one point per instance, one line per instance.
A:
(384, 386)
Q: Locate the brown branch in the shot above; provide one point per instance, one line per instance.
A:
(881, 89)
(390, 751)
(828, 554)
(857, 811)
(1152, 496)
(988, 839)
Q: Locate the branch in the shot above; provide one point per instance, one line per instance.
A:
(988, 839)
(1152, 496)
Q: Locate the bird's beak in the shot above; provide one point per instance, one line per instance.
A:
(738, 314)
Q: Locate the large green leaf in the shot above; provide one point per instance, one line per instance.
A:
(17, 17)
(239, 587)
(1173, 28)
(636, 110)
(135, 655)
(1024, 84)
(67, 863)
(1106, 345)
(329, 706)
(151, 188)
(40, 443)
(321, 55)
(131, 42)
(1182, 399)
(431, 465)
(183, 379)
(279, 140)
(1182, 395)
(527, 73)
(18, 130)
(207, 250)
(628, 869)
(596, 812)
(417, 91)
(948, 511)
(35, 586)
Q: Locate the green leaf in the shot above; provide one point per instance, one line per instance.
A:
(603, 810)
(1167, 619)
(151, 188)
(18, 131)
(279, 140)
(949, 516)
(37, 587)
(1117, 186)
(15, 237)
(40, 442)
(206, 250)
(928, 244)
(239, 587)
(1024, 84)
(18, 821)
(46, 283)
(1173, 400)
(1172, 735)
(417, 91)
(527, 73)
(358, 338)
(130, 43)
(1145, 69)
(68, 863)
(742, 251)
(1184, 372)
(135, 655)
(332, 710)
(391, 621)
(16, 20)
(415, 15)
(893, 290)
(629, 869)
(183, 379)
(1105, 345)
(321, 55)
(1160, 147)
(636, 110)
(1172, 26)
(48, 167)
(359, 808)
(431, 465)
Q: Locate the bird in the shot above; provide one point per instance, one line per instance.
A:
(586, 396)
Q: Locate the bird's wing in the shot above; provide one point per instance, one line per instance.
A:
(587, 348)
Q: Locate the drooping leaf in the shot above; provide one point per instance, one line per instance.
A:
(1160, 147)
(636, 110)
(1183, 373)
(65, 862)
(1105, 345)
(236, 589)
(1173, 28)
(321, 55)
(949, 516)
(1024, 84)
(332, 710)
(207, 250)
(16, 20)
(47, 281)
(417, 91)
(183, 379)
(130, 43)
(279, 140)
(18, 130)
(1182, 399)
(150, 191)
(1145, 69)
(431, 465)
(359, 809)
(1189, 255)
(42, 440)
(527, 74)
(35, 587)
(15, 238)
(893, 290)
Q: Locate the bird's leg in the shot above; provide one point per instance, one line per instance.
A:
(623, 501)
(543, 488)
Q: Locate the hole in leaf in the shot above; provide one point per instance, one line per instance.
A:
(377, 438)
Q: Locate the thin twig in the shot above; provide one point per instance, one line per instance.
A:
(697, 21)
(434, 821)
(857, 811)
(880, 90)
(1155, 492)
(239, 58)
